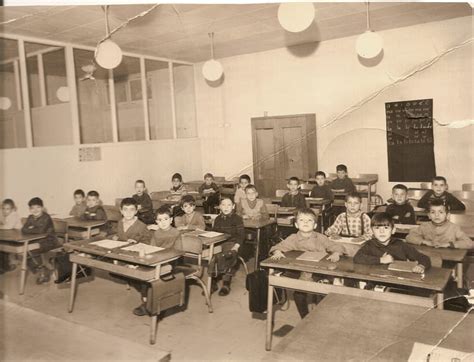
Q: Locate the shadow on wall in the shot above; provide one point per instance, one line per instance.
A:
(369, 63)
(216, 83)
(308, 41)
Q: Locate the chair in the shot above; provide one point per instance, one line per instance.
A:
(118, 201)
(462, 219)
(464, 195)
(425, 185)
(416, 194)
(61, 230)
(280, 193)
(272, 209)
(468, 187)
(219, 178)
(112, 212)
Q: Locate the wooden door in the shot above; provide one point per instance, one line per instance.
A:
(283, 146)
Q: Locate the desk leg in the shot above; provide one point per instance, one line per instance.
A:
(439, 300)
(257, 249)
(153, 325)
(24, 268)
(459, 274)
(369, 196)
(268, 339)
(73, 287)
(89, 232)
(209, 278)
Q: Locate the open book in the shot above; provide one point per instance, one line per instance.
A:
(404, 266)
(312, 255)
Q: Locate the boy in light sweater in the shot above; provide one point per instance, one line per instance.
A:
(191, 220)
(252, 207)
(130, 227)
(244, 181)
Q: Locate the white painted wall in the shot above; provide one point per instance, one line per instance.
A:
(331, 79)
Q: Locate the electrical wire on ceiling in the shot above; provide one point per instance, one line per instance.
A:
(24, 17)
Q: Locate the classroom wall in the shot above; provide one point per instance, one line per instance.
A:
(326, 79)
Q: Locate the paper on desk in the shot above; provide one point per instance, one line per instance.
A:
(312, 255)
(210, 234)
(60, 216)
(110, 244)
(420, 352)
(147, 249)
(347, 240)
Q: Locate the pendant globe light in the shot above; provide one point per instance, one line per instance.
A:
(212, 69)
(296, 17)
(108, 54)
(369, 44)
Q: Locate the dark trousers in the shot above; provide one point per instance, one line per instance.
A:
(303, 299)
(210, 202)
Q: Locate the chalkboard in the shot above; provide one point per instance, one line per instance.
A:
(410, 142)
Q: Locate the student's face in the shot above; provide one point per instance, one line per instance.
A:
(78, 199)
(164, 221)
(226, 206)
(439, 187)
(399, 196)
(305, 223)
(188, 208)
(92, 201)
(208, 180)
(383, 233)
(251, 194)
(6, 209)
(438, 214)
(320, 180)
(176, 182)
(341, 174)
(36, 210)
(139, 188)
(243, 183)
(293, 186)
(128, 211)
(353, 205)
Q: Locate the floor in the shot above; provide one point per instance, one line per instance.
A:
(230, 333)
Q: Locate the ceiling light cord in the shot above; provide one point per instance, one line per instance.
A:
(368, 17)
(211, 35)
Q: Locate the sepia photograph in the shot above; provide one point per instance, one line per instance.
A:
(236, 181)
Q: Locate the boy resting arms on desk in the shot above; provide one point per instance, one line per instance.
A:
(384, 249)
(306, 239)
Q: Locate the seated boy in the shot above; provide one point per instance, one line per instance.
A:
(79, 203)
(191, 220)
(306, 239)
(352, 223)
(438, 192)
(342, 183)
(384, 249)
(177, 187)
(210, 193)
(321, 189)
(439, 232)
(229, 222)
(39, 222)
(9, 219)
(130, 227)
(144, 203)
(252, 207)
(93, 211)
(401, 210)
(244, 181)
(294, 198)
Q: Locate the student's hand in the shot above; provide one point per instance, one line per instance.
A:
(427, 242)
(334, 257)
(386, 259)
(420, 269)
(277, 255)
(115, 237)
(139, 207)
(152, 227)
(132, 241)
(236, 247)
(335, 236)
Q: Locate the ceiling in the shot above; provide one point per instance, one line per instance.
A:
(180, 31)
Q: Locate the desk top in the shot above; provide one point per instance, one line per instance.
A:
(14, 235)
(258, 224)
(78, 223)
(310, 200)
(366, 327)
(205, 240)
(159, 257)
(435, 278)
(355, 180)
(444, 253)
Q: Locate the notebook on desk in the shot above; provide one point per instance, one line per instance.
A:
(404, 266)
(347, 240)
(147, 249)
(312, 256)
(210, 234)
(110, 244)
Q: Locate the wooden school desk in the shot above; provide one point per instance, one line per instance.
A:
(343, 328)
(314, 203)
(15, 242)
(149, 269)
(258, 225)
(434, 282)
(88, 225)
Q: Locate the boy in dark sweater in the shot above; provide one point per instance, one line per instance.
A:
(229, 222)
(438, 192)
(210, 193)
(321, 189)
(39, 222)
(130, 227)
(79, 203)
(294, 198)
(93, 211)
(401, 210)
(144, 203)
(342, 183)
(384, 249)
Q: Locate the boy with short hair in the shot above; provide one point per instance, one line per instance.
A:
(93, 211)
(401, 210)
(177, 187)
(244, 181)
(130, 227)
(144, 203)
(229, 222)
(439, 232)
(165, 235)
(210, 193)
(79, 203)
(294, 198)
(342, 183)
(306, 239)
(9, 219)
(39, 222)
(438, 191)
(321, 189)
(191, 220)
(352, 223)
(252, 207)
(384, 249)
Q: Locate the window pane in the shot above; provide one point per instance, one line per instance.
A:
(12, 121)
(183, 76)
(159, 103)
(93, 99)
(49, 96)
(130, 117)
